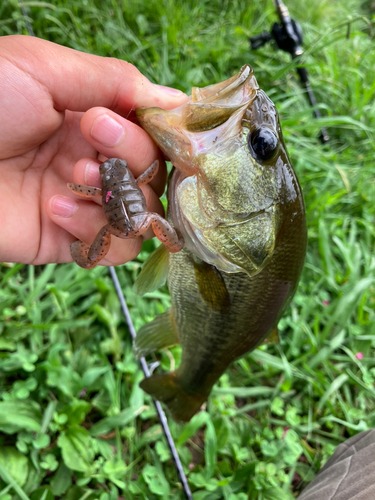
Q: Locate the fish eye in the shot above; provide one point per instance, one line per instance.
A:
(262, 143)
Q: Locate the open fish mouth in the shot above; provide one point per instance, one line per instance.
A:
(209, 107)
(223, 200)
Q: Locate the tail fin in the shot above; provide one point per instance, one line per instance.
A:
(166, 388)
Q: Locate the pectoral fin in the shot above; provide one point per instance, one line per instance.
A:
(156, 335)
(154, 272)
(212, 286)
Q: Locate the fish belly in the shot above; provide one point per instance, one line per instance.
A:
(211, 339)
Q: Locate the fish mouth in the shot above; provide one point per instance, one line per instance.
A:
(207, 108)
(235, 90)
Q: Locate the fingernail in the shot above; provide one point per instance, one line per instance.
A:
(170, 90)
(63, 206)
(106, 130)
(92, 175)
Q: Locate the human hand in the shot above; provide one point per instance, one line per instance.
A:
(62, 113)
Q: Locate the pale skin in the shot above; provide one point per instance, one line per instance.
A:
(62, 113)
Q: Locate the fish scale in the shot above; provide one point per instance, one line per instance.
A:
(239, 207)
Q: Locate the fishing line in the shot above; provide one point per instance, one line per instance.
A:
(28, 25)
(142, 361)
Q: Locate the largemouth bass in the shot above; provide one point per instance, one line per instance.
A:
(236, 200)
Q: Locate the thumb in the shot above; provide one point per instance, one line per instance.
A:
(78, 81)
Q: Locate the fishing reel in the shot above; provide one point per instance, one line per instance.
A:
(288, 37)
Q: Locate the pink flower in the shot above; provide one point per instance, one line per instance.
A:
(325, 302)
(285, 432)
(359, 355)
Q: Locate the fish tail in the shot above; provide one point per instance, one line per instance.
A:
(167, 389)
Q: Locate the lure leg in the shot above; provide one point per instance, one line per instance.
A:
(148, 174)
(87, 256)
(85, 191)
(166, 233)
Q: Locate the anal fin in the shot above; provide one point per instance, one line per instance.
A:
(157, 334)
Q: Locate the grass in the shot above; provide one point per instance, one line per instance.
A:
(73, 422)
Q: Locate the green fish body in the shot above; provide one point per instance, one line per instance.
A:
(236, 200)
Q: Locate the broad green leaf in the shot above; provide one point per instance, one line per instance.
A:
(277, 406)
(76, 411)
(206, 495)
(74, 493)
(222, 430)
(49, 462)
(199, 480)
(110, 423)
(191, 427)
(77, 448)
(14, 463)
(41, 441)
(269, 448)
(163, 451)
(64, 379)
(61, 481)
(277, 493)
(19, 416)
(155, 481)
(43, 493)
(92, 375)
(115, 471)
(104, 448)
(34, 477)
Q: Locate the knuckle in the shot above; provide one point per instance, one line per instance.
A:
(130, 78)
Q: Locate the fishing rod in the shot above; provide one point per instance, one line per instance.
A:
(288, 37)
(146, 371)
(142, 361)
